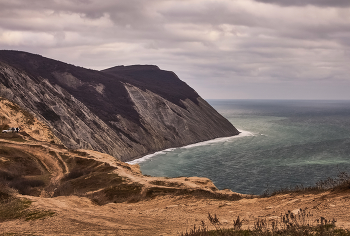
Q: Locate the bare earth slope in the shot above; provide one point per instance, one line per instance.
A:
(84, 172)
(109, 197)
(126, 112)
(92, 193)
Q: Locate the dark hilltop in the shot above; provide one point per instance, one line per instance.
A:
(124, 111)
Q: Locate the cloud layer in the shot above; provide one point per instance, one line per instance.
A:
(223, 49)
(322, 3)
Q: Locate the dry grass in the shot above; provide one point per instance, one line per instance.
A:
(304, 223)
(166, 183)
(29, 118)
(340, 183)
(86, 182)
(86, 175)
(12, 207)
(19, 171)
(130, 192)
(198, 193)
(96, 181)
(16, 137)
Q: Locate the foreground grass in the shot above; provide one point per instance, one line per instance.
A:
(303, 223)
(339, 183)
(12, 208)
(293, 232)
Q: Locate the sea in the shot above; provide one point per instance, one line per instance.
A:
(282, 144)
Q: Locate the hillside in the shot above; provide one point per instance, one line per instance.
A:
(84, 192)
(126, 112)
(63, 173)
(40, 168)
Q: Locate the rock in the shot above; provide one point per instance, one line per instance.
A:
(127, 112)
(296, 211)
(172, 206)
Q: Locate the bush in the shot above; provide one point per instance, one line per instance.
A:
(4, 175)
(12, 208)
(75, 173)
(341, 182)
(289, 224)
(24, 185)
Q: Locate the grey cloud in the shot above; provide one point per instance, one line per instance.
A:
(132, 15)
(238, 44)
(321, 3)
(212, 13)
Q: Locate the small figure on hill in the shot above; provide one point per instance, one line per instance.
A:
(17, 129)
(13, 129)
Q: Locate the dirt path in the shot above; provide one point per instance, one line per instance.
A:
(48, 158)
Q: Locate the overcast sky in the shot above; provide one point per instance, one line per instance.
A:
(240, 49)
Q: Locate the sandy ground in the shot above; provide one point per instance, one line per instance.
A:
(170, 215)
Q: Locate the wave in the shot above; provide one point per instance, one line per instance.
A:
(149, 156)
(242, 133)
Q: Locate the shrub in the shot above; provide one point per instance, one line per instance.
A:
(75, 173)
(341, 182)
(13, 208)
(123, 192)
(4, 175)
(24, 185)
(289, 224)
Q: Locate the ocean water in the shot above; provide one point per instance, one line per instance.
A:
(282, 144)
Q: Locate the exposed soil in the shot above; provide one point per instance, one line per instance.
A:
(168, 213)
(92, 193)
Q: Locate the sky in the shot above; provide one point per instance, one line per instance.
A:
(224, 49)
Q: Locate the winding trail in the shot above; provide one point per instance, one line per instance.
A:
(48, 158)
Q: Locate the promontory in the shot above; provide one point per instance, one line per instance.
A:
(124, 111)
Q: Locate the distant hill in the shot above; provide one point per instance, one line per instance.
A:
(124, 111)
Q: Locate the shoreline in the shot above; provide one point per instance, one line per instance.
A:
(242, 133)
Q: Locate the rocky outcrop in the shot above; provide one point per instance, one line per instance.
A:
(125, 111)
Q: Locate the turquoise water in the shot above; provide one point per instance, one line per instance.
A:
(284, 143)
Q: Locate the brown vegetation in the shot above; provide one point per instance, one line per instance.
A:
(12, 115)
(292, 224)
(12, 207)
(84, 192)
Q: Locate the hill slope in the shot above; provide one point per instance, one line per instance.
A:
(40, 168)
(84, 192)
(126, 112)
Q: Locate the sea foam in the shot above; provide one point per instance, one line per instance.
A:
(242, 133)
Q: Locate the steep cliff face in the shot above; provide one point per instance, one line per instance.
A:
(126, 112)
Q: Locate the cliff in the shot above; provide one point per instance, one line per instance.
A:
(124, 111)
(32, 163)
(46, 189)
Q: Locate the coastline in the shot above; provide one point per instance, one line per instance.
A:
(242, 133)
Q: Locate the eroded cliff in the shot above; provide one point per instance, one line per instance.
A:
(126, 112)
